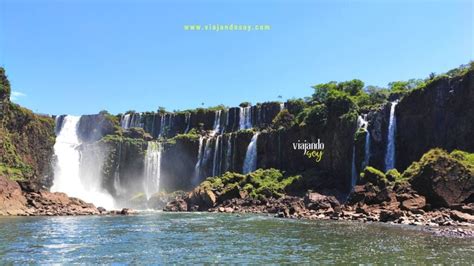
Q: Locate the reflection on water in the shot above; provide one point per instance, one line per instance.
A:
(206, 238)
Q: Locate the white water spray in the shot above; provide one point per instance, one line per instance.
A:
(67, 176)
(250, 162)
(245, 119)
(152, 168)
(392, 129)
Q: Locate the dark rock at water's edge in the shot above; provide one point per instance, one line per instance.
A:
(429, 193)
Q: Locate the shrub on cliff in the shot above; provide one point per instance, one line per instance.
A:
(283, 120)
(26, 145)
(258, 184)
(444, 179)
(373, 176)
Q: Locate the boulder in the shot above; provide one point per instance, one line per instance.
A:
(316, 201)
(12, 201)
(444, 180)
(413, 203)
(461, 216)
(176, 205)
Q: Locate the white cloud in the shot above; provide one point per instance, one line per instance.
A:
(15, 95)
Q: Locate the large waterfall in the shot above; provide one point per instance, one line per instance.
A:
(250, 161)
(392, 130)
(152, 168)
(67, 170)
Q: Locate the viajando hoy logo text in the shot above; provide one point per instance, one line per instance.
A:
(312, 150)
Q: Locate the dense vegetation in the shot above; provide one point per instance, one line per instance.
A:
(26, 139)
(259, 184)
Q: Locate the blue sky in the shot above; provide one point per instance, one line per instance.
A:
(80, 57)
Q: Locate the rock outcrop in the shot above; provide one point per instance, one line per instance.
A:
(26, 140)
(17, 202)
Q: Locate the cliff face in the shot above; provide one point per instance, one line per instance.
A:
(440, 115)
(26, 140)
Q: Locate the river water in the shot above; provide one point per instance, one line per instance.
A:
(165, 238)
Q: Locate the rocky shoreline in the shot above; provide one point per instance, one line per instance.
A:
(315, 206)
(29, 199)
(366, 203)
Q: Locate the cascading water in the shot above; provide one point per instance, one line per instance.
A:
(353, 168)
(392, 130)
(217, 123)
(162, 124)
(136, 120)
(245, 119)
(250, 161)
(67, 177)
(367, 145)
(187, 120)
(197, 167)
(152, 168)
(125, 121)
(361, 124)
(282, 106)
(216, 160)
(228, 153)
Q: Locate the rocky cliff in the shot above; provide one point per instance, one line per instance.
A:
(26, 140)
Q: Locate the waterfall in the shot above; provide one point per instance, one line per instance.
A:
(228, 153)
(226, 120)
(250, 161)
(197, 167)
(366, 147)
(354, 170)
(392, 130)
(162, 124)
(67, 177)
(362, 123)
(245, 119)
(216, 159)
(125, 121)
(117, 186)
(282, 106)
(136, 120)
(152, 168)
(187, 120)
(217, 123)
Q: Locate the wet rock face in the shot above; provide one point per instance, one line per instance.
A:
(440, 115)
(177, 167)
(276, 150)
(378, 128)
(94, 127)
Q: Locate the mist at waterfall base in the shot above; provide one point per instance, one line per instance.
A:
(78, 170)
(69, 176)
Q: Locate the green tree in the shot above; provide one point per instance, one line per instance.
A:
(283, 120)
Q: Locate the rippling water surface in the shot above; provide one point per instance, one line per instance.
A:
(206, 238)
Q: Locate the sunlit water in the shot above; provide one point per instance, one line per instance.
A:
(163, 238)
